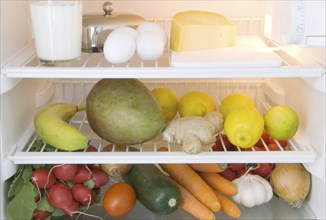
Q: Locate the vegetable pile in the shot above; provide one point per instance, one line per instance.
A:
(42, 191)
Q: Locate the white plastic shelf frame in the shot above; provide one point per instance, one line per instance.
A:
(25, 63)
(76, 92)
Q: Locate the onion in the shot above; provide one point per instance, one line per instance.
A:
(291, 182)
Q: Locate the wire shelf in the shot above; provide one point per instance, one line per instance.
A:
(148, 152)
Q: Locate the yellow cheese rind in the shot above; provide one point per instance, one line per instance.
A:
(201, 30)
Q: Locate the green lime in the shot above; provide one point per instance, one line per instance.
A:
(281, 122)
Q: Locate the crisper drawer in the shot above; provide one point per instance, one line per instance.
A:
(262, 92)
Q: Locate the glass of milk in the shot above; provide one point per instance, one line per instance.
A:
(57, 29)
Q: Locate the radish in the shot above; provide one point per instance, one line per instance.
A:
(83, 174)
(42, 178)
(99, 177)
(65, 172)
(81, 193)
(59, 196)
(40, 214)
(97, 191)
(72, 208)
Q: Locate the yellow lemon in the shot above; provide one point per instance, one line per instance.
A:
(233, 101)
(196, 103)
(244, 126)
(168, 101)
(281, 122)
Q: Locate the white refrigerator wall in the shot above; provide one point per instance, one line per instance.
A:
(18, 105)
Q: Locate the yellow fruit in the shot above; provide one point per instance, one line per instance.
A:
(168, 101)
(233, 101)
(244, 126)
(196, 103)
(281, 122)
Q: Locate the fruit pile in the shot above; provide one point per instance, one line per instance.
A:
(54, 190)
(245, 126)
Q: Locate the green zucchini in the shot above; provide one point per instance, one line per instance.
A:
(153, 189)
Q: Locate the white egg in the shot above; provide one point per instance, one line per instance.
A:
(119, 48)
(150, 45)
(149, 26)
(129, 30)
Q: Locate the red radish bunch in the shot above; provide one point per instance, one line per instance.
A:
(68, 186)
(236, 170)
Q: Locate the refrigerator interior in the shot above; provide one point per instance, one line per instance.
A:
(299, 83)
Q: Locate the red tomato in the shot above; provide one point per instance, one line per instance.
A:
(265, 138)
(273, 147)
(228, 174)
(256, 148)
(218, 146)
(283, 143)
(119, 199)
(263, 169)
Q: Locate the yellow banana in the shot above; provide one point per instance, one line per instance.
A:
(51, 124)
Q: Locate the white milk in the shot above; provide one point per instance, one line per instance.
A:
(57, 28)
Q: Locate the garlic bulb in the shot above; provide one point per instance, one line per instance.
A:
(253, 190)
(291, 182)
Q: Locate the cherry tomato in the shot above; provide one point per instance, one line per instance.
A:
(256, 148)
(273, 147)
(218, 146)
(265, 138)
(283, 143)
(119, 199)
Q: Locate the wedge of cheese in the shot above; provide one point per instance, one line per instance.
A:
(201, 30)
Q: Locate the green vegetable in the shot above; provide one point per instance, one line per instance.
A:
(153, 189)
(23, 204)
(44, 205)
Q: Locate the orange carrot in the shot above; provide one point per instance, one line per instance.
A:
(220, 183)
(189, 179)
(193, 206)
(228, 206)
(208, 167)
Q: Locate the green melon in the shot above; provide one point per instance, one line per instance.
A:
(124, 111)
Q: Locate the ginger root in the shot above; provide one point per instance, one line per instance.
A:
(194, 132)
